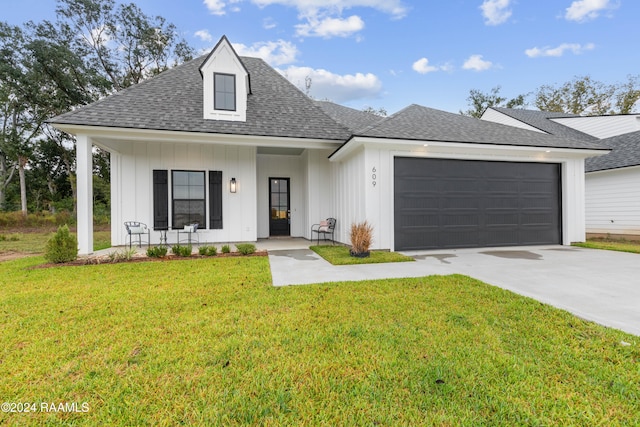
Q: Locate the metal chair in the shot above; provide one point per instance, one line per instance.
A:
(324, 228)
(135, 228)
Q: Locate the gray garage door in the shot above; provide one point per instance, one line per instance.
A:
(443, 203)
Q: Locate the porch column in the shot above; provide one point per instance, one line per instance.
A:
(84, 182)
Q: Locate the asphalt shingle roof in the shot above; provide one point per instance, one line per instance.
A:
(351, 118)
(427, 124)
(173, 101)
(542, 120)
(625, 153)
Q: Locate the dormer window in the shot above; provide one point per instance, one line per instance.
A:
(224, 86)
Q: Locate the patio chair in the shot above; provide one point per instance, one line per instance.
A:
(324, 228)
(137, 229)
(192, 233)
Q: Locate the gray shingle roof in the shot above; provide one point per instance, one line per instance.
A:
(173, 101)
(351, 118)
(625, 153)
(541, 120)
(427, 124)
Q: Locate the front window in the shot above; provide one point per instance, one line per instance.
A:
(188, 198)
(224, 87)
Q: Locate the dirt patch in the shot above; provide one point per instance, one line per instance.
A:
(141, 258)
(10, 256)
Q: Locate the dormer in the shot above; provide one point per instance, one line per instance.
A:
(225, 84)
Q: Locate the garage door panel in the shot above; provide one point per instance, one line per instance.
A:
(445, 203)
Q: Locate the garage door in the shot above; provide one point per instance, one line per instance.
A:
(444, 203)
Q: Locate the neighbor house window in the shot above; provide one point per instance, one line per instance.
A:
(224, 87)
(189, 198)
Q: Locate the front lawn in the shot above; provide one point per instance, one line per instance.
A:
(211, 342)
(611, 245)
(339, 255)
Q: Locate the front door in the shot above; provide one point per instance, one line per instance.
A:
(279, 208)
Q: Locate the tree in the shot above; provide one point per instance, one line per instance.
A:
(122, 43)
(382, 112)
(582, 95)
(627, 95)
(480, 101)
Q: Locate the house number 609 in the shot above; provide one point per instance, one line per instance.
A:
(373, 176)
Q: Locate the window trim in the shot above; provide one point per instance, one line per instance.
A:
(202, 225)
(215, 92)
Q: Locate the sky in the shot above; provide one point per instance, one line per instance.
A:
(392, 53)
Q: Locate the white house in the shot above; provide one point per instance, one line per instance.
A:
(613, 180)
(229, 143)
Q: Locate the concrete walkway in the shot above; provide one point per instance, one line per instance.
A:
(602, 286)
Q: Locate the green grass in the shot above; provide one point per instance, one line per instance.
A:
(34, 242)
(339, 255)
(211, 342)
(611, 245)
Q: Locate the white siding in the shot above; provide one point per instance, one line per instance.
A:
(350, 194)
(320, 186)
(132, 189)
(492, 115)
(613, 201)
(602, 126)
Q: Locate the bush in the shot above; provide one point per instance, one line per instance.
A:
(157, 251)
(62, 247)
(226, 249)
(124, 255)
(361, 237)
(179, 250)
(246, 248)
(208, 250)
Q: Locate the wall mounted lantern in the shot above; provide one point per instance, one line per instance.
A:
(232, 185)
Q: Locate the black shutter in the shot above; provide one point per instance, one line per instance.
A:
(160, 199)
(215, 199)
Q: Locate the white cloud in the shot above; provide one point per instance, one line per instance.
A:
(422, 66)
(586, 10)
(395, 8)
(495, 12)
(269, 24)
(204, 35)
(218, 7)
(335, 87)
(275, 53)
(476, 63)
(576, 48)
(330, 27)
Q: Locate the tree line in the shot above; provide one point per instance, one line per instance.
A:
(582, 96)
(93, 48)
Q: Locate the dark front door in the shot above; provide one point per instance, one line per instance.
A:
(279, 208)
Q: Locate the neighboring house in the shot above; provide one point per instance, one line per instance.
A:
(229, 143)
(613, 180)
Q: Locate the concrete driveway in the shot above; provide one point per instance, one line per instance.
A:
(602, 286)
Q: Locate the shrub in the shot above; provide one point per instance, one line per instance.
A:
(62, 247)
(179, 250)
(226, 249)
(208, 250)
(361, 237)
(157, 251)
(246, 248)
(123, 255)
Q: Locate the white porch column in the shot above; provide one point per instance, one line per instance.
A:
(84, 182)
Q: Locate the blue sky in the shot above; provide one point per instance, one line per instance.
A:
(392, 53)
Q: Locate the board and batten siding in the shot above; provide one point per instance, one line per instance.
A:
(350, 199)
(613, 201)
(132, 186)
